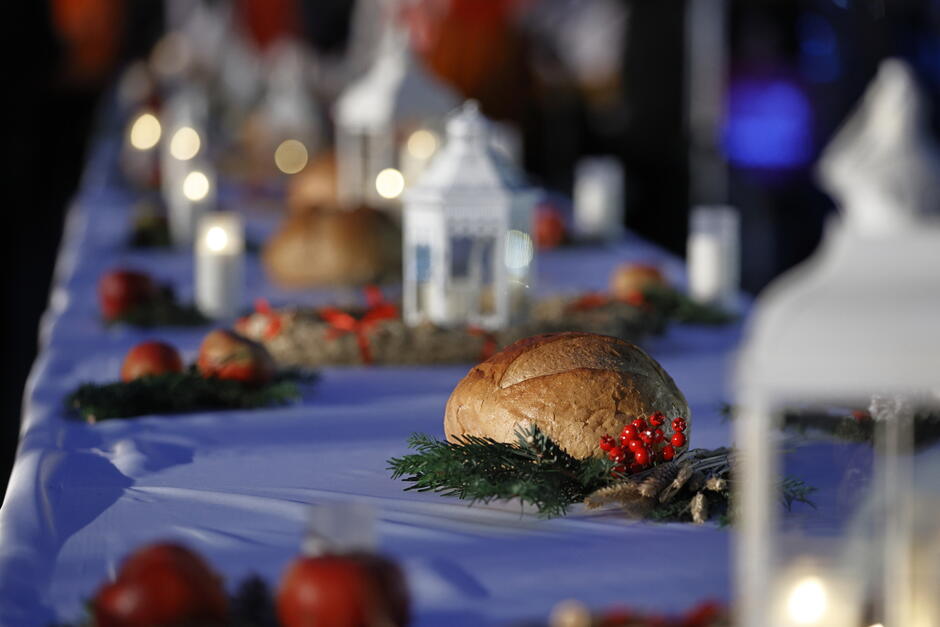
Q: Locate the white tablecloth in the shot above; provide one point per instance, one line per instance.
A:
(237, 486)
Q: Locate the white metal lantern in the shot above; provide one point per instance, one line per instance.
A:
(468, 252)
(860, 319)
(395, 109)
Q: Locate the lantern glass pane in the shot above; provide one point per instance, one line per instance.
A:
(852, 506)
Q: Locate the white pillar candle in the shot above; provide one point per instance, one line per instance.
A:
(598, 199)
(220, 272)
(713, 255)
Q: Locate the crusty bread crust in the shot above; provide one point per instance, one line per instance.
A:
(575, 387)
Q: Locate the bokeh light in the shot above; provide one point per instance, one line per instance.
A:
(808, 601)
(185, 143)
(216, 239)
(145, 132)
(196, 186)
(422, 144)
(291, 156)
(389, 183)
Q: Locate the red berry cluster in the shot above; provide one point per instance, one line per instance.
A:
(643, 443)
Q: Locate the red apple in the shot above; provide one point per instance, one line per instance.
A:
(225, 354)
(119, 291)
(351, 590)
(630, 279)
(150, 358)
(550, 228)
(162, 584)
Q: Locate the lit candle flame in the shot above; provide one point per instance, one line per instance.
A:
(216, 239)
(390, 183)
(185, 143)
(196, 186)
(145, 132)
(808, 601)
(290, 156)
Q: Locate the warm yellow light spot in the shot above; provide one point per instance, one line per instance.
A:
(145, 132)
(808, 601)
(196, 185)
(422, 144)
(389, 183)
(519, 250)
(185, 143)
(291, 156)
(876, 625)
(216, 239)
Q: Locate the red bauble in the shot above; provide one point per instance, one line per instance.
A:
(162, 584)
(150, 358)
(607, 443)
(120, 291)
(342, 591)
(225, 354)
(639, 424)
(678, 440)
(550, 228)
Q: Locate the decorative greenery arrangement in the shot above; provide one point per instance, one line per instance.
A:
(851, 425)
(675, 305)
(694, 487)
(151, 230)
(534, 469)
(179, 392)
(162, 310)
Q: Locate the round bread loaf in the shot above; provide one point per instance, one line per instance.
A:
(334, 247)
(576, 387)
(314, 186)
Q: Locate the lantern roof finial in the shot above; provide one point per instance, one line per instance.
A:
(860, 316)
(468, 165)
(396, 87)
(882, 166)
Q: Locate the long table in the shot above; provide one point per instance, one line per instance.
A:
(238, 486)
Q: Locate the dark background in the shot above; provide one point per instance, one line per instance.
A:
(822, 53)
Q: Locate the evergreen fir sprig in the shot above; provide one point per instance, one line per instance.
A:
(175, 393)
(534, 469)
(677, 306)
(162, 311)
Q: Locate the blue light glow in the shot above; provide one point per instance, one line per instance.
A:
(768, 126)
(820, 61)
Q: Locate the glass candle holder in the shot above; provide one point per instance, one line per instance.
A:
(713, 255)
(220, 261)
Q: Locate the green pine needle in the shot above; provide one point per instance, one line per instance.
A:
(534, 470)
(176, 393)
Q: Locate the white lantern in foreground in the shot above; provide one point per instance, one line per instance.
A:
(392, 113)
(861, 318)
(468, 252)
